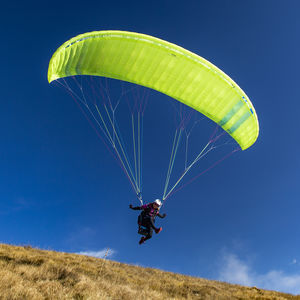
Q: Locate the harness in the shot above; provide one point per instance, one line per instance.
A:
(148, 212)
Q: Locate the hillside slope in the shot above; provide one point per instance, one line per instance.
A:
(29, 273)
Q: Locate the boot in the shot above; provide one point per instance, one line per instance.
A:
(158, 230)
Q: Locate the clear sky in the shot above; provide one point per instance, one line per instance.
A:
(61, 189)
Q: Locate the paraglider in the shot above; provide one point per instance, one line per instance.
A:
(162, 66)
(146, 219)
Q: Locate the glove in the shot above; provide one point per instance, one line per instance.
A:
(164, 215)
(130, 206)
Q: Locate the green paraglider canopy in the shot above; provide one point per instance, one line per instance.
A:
(165, 67)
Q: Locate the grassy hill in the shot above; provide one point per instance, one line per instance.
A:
(29, 273)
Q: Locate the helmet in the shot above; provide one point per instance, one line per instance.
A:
(158, 202)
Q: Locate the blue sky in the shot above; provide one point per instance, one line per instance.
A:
(62, 190)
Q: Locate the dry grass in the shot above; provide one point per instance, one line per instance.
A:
(28, 273)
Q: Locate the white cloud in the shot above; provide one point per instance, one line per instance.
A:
(234, 270)
(280, 281)
(294, 261)
(105, 253)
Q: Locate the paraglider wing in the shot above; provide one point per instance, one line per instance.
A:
(165, 67)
